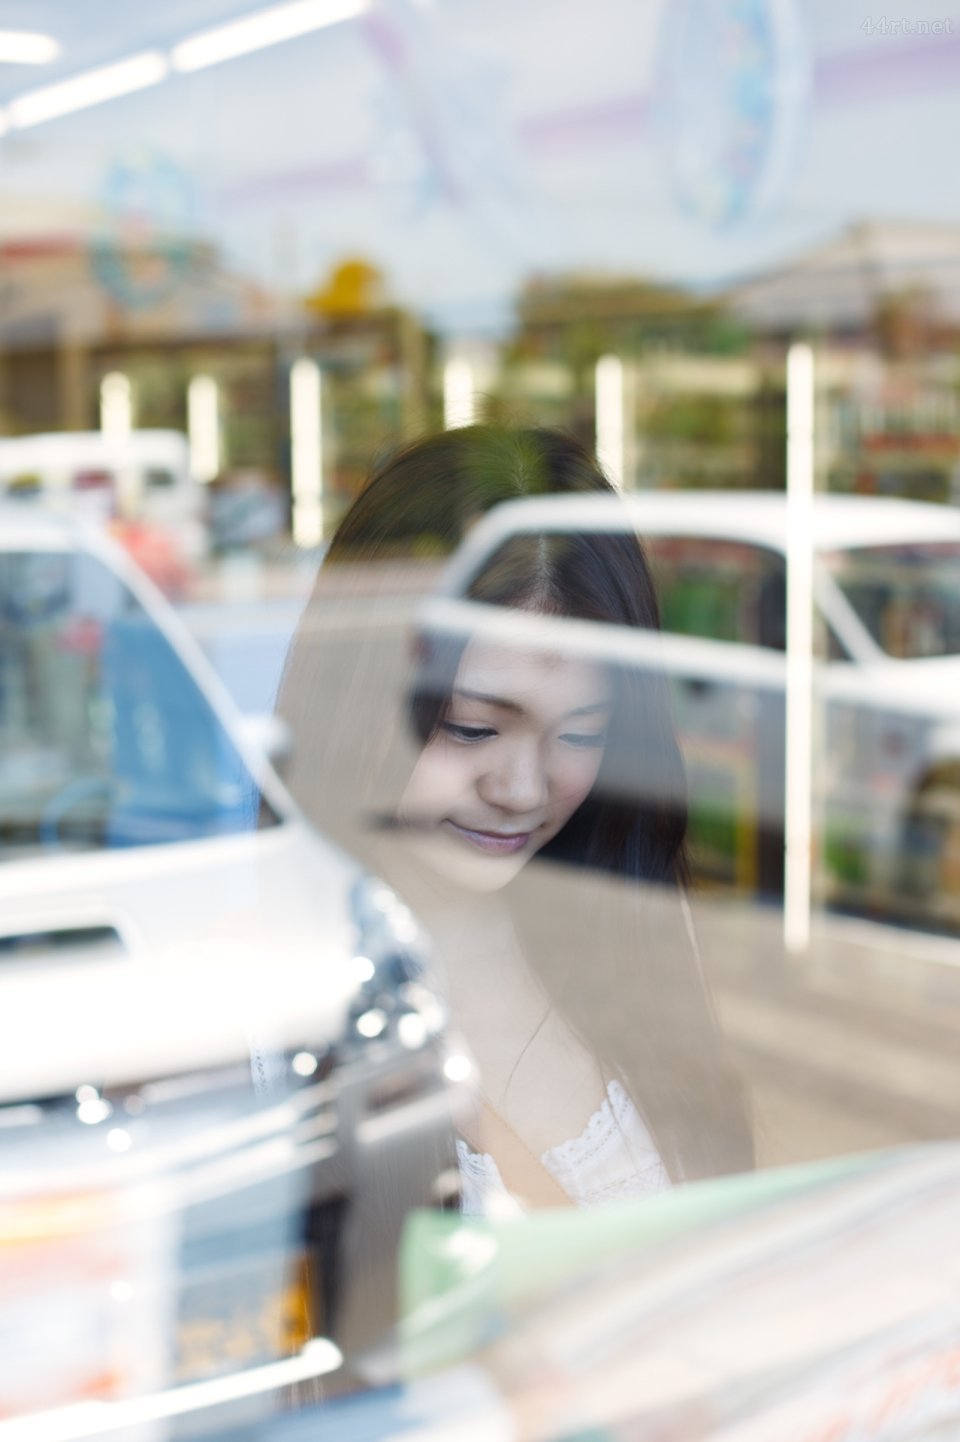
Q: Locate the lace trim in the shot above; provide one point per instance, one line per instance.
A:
(482, 1189)
(627, 1188)
(614, 1146)
(615, 1115)
(475, 1166)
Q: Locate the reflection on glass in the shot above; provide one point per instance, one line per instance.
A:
(335, 238)
(107, 741)
(908, 596)
(529, 801)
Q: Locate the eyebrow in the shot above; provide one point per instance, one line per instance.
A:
(507, 705)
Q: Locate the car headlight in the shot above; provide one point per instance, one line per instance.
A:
(392, 964)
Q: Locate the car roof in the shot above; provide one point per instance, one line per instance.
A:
(100, 441)
(760, 517)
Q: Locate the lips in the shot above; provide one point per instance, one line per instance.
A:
(494, 843)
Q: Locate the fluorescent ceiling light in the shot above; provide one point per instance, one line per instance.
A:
(262, 28)
(23, 47)
(90, 88)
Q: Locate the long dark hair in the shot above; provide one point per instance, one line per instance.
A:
(601, 911)
(634, 823)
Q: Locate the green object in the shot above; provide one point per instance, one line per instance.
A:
(462, 1278)
(843, 852)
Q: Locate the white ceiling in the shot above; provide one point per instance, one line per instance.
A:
(465, 144)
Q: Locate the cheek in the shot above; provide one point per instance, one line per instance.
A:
(575, 776)
(439, 778)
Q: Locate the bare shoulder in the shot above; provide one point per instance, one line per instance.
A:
(556, 1087)
(539, 1076)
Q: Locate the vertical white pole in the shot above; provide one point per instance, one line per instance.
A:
(306, 445)
(459, 393)
(116, 425)
(203, 427)
(116, 406)
(798, 798)
(610, 432)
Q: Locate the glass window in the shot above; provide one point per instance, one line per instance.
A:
(107, 741)
(720, 590)
(908, 596)
(158, 478)
(291, 296)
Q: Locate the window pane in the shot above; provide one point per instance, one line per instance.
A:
(907, 596)
(107, 741)
(720, 590)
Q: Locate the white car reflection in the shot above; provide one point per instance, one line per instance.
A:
(188, 974)
(887, 596)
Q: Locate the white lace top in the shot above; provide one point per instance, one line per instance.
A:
(613, 1158)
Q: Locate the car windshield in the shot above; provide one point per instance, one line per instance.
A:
(907, 596)
(106, 740)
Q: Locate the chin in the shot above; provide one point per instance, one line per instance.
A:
(455, 864)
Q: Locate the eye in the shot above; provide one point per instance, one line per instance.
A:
(584, 738)
(467, 734)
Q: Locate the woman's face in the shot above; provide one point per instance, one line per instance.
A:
(516, 754)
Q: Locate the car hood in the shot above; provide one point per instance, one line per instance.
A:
(124, 966)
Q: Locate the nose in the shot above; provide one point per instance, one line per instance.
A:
(517, 779)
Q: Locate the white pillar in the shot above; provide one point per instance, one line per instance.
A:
(610, 414)
(116, 425)
(306, 448)
(116, 406)
(798, 788)
(203, 427)
(459, 393)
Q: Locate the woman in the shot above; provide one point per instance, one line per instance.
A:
(529, 803)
